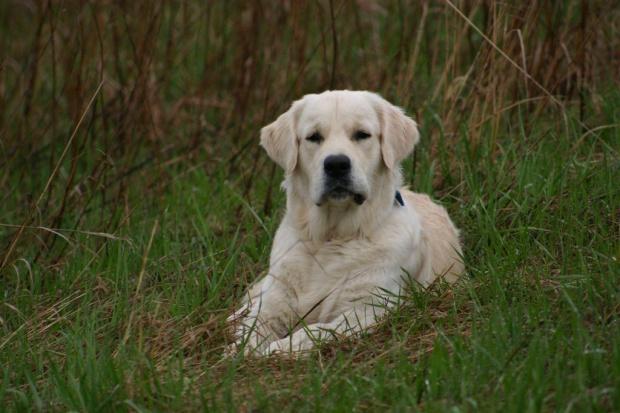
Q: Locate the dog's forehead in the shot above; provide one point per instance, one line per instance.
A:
(348, 109)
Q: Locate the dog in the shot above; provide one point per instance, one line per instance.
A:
(351, 237)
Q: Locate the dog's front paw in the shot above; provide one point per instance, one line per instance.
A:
(231, 350)
(295, 346)
(278, 347)
(250, 347)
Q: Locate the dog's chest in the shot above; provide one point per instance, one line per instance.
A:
(310, 269)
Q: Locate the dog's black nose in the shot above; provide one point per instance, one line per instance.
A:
(337, 166)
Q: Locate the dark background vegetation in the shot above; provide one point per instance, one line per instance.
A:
(155, 86)
(117, 115)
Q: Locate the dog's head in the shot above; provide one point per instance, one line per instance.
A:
(337, 142)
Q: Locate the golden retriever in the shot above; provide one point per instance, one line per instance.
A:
(351, 237)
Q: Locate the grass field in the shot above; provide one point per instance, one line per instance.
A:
(136, 205)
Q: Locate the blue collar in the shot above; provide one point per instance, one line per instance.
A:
(399, 198)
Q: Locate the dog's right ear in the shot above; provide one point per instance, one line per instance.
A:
(280, 142)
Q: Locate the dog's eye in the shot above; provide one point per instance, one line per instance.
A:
(359, 135)
(315, 137)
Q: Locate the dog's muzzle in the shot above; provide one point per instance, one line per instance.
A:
(338, 185)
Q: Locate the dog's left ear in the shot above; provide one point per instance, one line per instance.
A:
(399, 133)
(280, 142)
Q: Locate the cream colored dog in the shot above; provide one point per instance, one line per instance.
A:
(351, 237)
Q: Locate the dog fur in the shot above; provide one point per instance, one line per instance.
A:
(345, 243)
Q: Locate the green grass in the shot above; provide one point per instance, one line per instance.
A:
(537, 326)
(125, 309)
